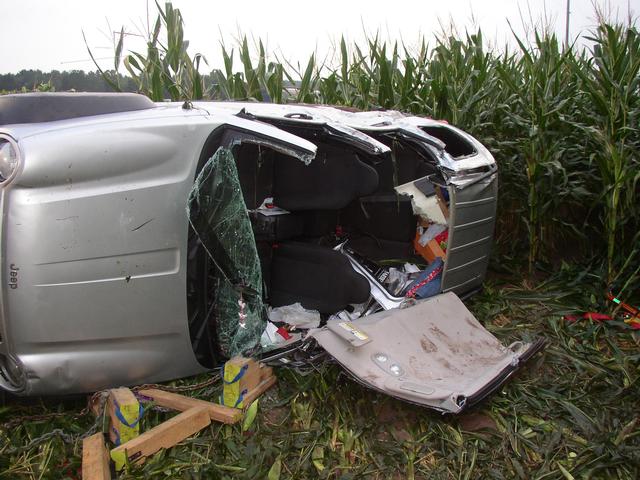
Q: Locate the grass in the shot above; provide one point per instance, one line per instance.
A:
(570, 413)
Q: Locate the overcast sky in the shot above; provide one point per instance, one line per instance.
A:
(47, 34)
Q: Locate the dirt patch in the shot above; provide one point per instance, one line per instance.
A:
(444, 338)
(421, 370)
(427, 345)
(390, 412)
(472, 422)
(276, 416)
(446, 364)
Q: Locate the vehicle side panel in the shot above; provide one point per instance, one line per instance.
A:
(97, 227)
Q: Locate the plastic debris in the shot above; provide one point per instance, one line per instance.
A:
(295, 315)
(269, 209)
(276, 337)
(411, 268)
(398, 281)
(431, 232)
(342, 316)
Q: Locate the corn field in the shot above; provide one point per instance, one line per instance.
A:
(561, 122)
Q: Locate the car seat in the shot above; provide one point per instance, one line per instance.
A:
(318, 277)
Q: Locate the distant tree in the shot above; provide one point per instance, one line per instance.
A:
(62, 81)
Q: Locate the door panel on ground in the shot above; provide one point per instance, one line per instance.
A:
(434, 353)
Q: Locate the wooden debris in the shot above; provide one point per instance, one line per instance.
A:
(124, 412)
(245, 380)
(165, 435)
(95, 458)
(216, 412)
(259, 390)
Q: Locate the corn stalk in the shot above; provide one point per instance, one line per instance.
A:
(612, 84)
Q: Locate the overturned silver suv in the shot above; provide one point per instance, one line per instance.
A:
(145, 242)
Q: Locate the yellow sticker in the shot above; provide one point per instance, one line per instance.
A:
(349, 327)
(231, 390)
(119, 457)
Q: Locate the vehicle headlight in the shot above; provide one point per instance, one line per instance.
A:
(9, 159)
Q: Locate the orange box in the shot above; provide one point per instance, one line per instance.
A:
(430, 251)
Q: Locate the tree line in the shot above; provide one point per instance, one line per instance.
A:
(62, 81)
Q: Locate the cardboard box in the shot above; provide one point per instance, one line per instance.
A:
(430, 251)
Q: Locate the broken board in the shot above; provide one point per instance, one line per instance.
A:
(95, 458)
(165, 435)
(244, 381)
(217, 412)
(124, 413)
(262, 387)
(430, 251)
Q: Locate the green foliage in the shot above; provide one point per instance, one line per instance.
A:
(78, 80)
(611, 85)
(541, 115)
(166, 68)
(262, 83)
(571, 411)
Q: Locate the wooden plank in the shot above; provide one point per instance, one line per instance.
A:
(124, 401)
(95, 458)
(234, 392)
(265, 372)
(259, 390)
(216, 412)
(251, 377)
(165, 435)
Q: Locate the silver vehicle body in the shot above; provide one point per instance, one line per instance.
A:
(95, 226)
(94, 232)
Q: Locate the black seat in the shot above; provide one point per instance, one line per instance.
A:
(334, 179)
(317, 277)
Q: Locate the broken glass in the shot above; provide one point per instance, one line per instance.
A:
(218, 214)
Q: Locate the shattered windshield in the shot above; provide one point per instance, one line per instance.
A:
(218, 214)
